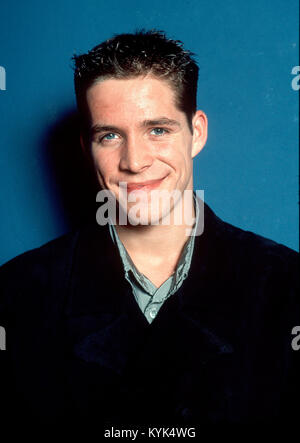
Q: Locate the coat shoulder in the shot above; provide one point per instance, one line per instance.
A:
(258, 264)
(53, 253)
(252, 247)
(35, 273)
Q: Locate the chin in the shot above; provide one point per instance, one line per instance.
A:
(142, 215)
(150, 209)
(147, 217)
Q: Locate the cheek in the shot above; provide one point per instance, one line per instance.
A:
(168, 152)
(102, 162)
(178, 155)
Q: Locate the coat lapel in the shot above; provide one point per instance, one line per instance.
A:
(186, 343)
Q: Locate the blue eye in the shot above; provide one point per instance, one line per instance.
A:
(159, 131)
(109, 136)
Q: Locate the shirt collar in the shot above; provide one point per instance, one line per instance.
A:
(182, 268)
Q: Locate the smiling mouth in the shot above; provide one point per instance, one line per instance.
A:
(144, 186)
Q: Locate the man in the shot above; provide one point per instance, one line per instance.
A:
(149, 320)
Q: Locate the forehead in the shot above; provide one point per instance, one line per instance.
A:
(139, 97)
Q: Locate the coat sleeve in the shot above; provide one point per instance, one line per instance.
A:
(32, 294)
(291, 396)
(7, 293)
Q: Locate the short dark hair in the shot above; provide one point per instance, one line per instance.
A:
(141, 53)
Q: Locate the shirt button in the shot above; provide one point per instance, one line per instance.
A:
(153, 312)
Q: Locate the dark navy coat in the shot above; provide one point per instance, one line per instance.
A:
(79, 350)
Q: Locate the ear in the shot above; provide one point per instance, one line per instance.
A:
(199, 123)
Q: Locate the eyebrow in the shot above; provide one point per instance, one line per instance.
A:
(162, 121)
(102, 128)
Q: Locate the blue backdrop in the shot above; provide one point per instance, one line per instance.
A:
(246, 52)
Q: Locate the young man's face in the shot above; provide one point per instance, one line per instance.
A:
(141, 138)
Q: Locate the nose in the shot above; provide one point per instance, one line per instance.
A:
(136, 155)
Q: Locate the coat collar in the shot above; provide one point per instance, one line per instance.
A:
(103, 314)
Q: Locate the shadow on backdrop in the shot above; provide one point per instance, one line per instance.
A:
(70, 178)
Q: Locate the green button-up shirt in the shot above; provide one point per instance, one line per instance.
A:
(149, 297)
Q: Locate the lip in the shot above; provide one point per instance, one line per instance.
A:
(144, 186)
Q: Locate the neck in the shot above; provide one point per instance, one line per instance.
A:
(158, 241)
